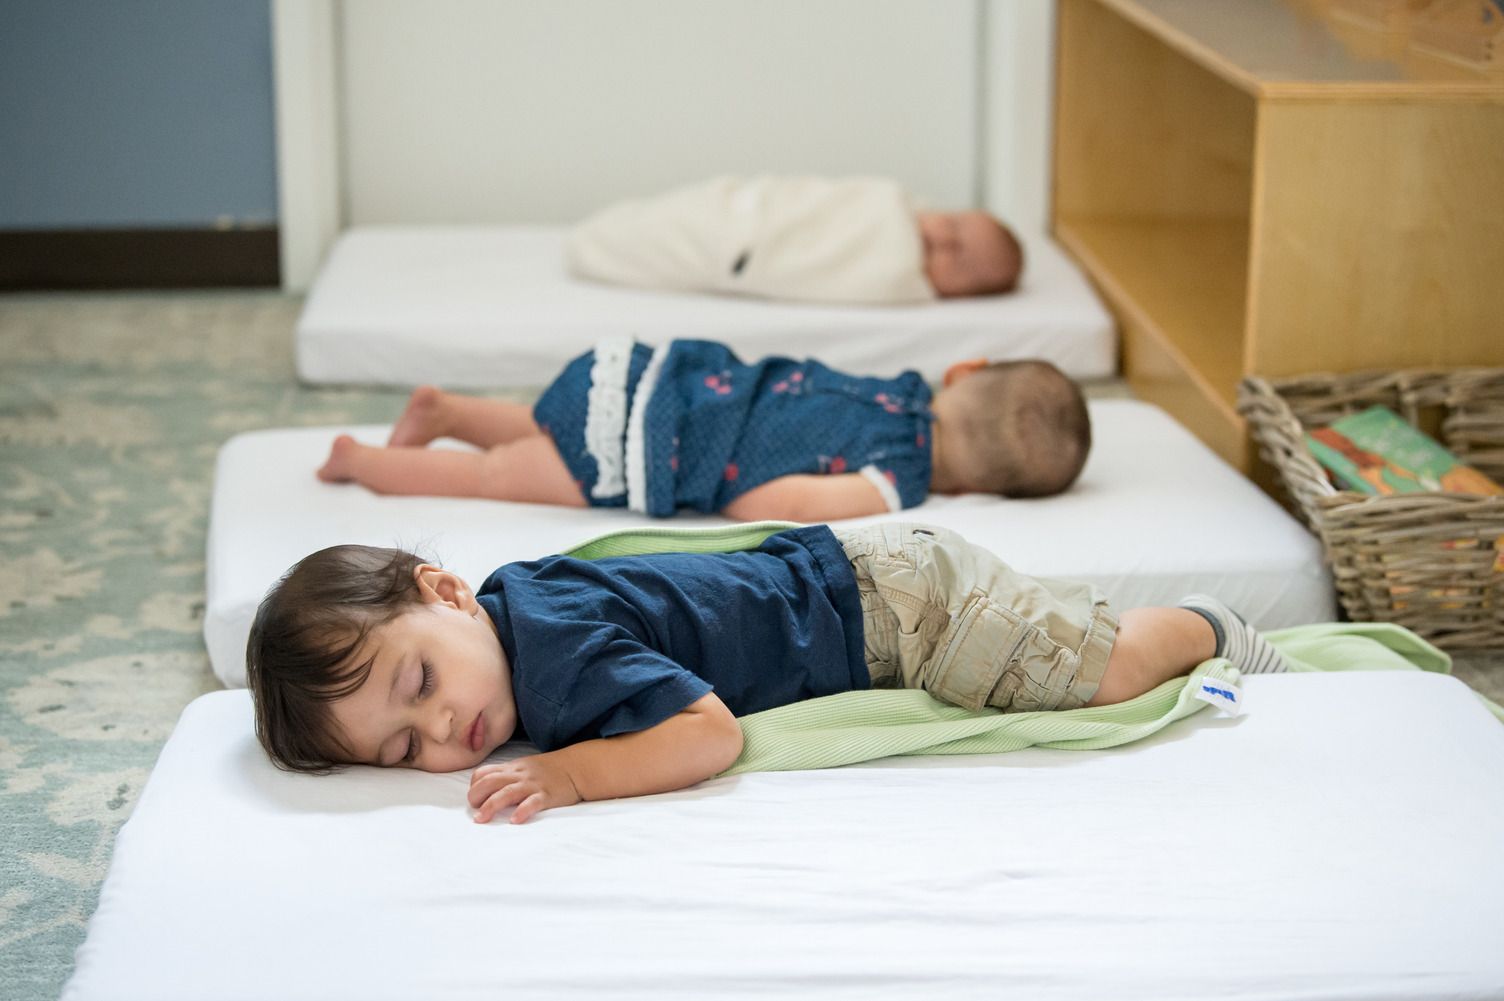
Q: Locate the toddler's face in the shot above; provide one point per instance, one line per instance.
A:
(439, 694)
(963, 252)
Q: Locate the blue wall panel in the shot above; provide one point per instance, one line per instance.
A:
(126, 113)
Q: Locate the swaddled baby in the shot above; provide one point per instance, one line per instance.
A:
(854, 241)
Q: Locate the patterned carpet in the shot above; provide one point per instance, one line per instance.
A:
(112, 408)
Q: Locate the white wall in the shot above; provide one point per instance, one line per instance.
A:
(1018, 99)
(542, 112)
(473, 111)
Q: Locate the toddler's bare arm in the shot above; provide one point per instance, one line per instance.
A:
(686, 748)
(808, 498)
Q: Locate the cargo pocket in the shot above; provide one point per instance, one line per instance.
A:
(879, 636)
(970, 666)
(1040, 676)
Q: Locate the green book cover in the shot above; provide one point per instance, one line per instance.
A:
(1376, 451)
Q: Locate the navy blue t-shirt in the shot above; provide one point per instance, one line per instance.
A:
(621, 644)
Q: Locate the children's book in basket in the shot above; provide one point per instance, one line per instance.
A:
(1376, 451)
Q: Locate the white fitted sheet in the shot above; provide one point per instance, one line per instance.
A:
(1339, 841)
(493, 306)
(1155, 516)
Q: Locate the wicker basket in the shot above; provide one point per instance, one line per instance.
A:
(1429, 562)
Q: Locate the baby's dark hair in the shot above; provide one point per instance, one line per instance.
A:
(299, 658)
(1025, 428)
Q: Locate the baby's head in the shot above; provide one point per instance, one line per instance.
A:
(364, 655)
(969, 253)
(1017, 428)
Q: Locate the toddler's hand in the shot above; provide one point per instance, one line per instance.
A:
(530, 784)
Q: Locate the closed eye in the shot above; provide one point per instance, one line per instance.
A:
(424, 687)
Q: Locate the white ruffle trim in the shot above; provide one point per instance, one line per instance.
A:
(637, 460)
(884, 486)
(606, 414)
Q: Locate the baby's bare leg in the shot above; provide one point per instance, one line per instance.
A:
(432, 413)
(528, 470)
(1153, 645)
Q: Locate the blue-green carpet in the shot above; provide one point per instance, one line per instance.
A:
(112, 407)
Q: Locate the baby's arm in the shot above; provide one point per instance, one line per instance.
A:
(688, 747)
(808, 498)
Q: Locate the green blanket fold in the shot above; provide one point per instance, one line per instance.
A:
(860, 726)
(879, 723)
(708, 539)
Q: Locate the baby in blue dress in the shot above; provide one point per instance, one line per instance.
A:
(689, 425)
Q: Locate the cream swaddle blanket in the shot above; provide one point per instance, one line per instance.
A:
(811, 239)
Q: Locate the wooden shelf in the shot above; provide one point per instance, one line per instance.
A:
(1177, 290)
(1255, 193)
(1182, 282)
(1272, 49)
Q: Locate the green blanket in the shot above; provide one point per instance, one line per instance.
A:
(860, 726)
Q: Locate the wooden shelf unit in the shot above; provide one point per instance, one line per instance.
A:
(1255, 193)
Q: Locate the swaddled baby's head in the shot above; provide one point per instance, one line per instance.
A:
(969, 253)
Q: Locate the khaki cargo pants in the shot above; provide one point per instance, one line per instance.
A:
(949, 617)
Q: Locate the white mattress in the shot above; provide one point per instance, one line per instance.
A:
(1155, 516)
(1339, 841)
(492, 306)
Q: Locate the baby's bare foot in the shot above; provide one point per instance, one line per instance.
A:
(340, 466)
(420, 423)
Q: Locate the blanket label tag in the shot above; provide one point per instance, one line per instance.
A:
(1225, 696)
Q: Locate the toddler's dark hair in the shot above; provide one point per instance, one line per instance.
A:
(299, 656)
(1026, 427)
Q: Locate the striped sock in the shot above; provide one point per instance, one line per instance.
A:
(1236, 640)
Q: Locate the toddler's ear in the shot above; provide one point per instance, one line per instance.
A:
(962, 369)
(437, 584)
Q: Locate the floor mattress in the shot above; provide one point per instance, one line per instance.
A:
(1155, 516)
(1339, 841)
(475, 307)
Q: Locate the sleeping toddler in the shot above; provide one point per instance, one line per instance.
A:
(689, 425)
(628, 673)
(857, 240)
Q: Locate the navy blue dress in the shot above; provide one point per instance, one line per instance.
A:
(691, 425)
